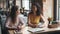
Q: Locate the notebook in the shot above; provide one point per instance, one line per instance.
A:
(35, 29)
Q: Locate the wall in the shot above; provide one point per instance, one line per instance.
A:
(48, 8)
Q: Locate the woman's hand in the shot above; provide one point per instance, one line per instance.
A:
(45, 21)
(33, 25)
(20, 27)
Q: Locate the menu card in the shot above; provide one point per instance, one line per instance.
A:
(35, 29)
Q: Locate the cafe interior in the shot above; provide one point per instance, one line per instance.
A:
(50, 9)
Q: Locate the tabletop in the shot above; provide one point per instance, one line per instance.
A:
(26, 30)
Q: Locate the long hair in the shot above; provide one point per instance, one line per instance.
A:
(13, 13)
(38, 8)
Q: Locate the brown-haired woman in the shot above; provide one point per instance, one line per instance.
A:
(35, 16)
(14, 21)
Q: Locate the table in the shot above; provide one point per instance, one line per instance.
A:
(25, 30)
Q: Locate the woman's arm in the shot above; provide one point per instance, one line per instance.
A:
(45, 21)
(29, 23)
(21, 23)
(7, 25)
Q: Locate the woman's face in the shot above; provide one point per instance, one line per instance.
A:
(21, 10)
(17, 12)
(34, 8)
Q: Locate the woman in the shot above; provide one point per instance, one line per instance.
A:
(14, 21)
(35, 16)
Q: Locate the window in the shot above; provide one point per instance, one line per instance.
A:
(18, 3)
(58, 9)
(25, 4)
(2, 4)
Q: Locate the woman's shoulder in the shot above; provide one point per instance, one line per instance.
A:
(20, 15)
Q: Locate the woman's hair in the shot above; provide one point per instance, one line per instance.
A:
(13, 13)
(38, 8)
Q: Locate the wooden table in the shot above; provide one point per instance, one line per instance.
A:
(24, 31)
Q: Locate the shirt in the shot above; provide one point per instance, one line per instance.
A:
(34, 19)
(18, 20)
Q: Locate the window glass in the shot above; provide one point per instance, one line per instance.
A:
(25, 4)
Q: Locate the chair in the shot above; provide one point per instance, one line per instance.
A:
(3, 28)
(0, 24)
